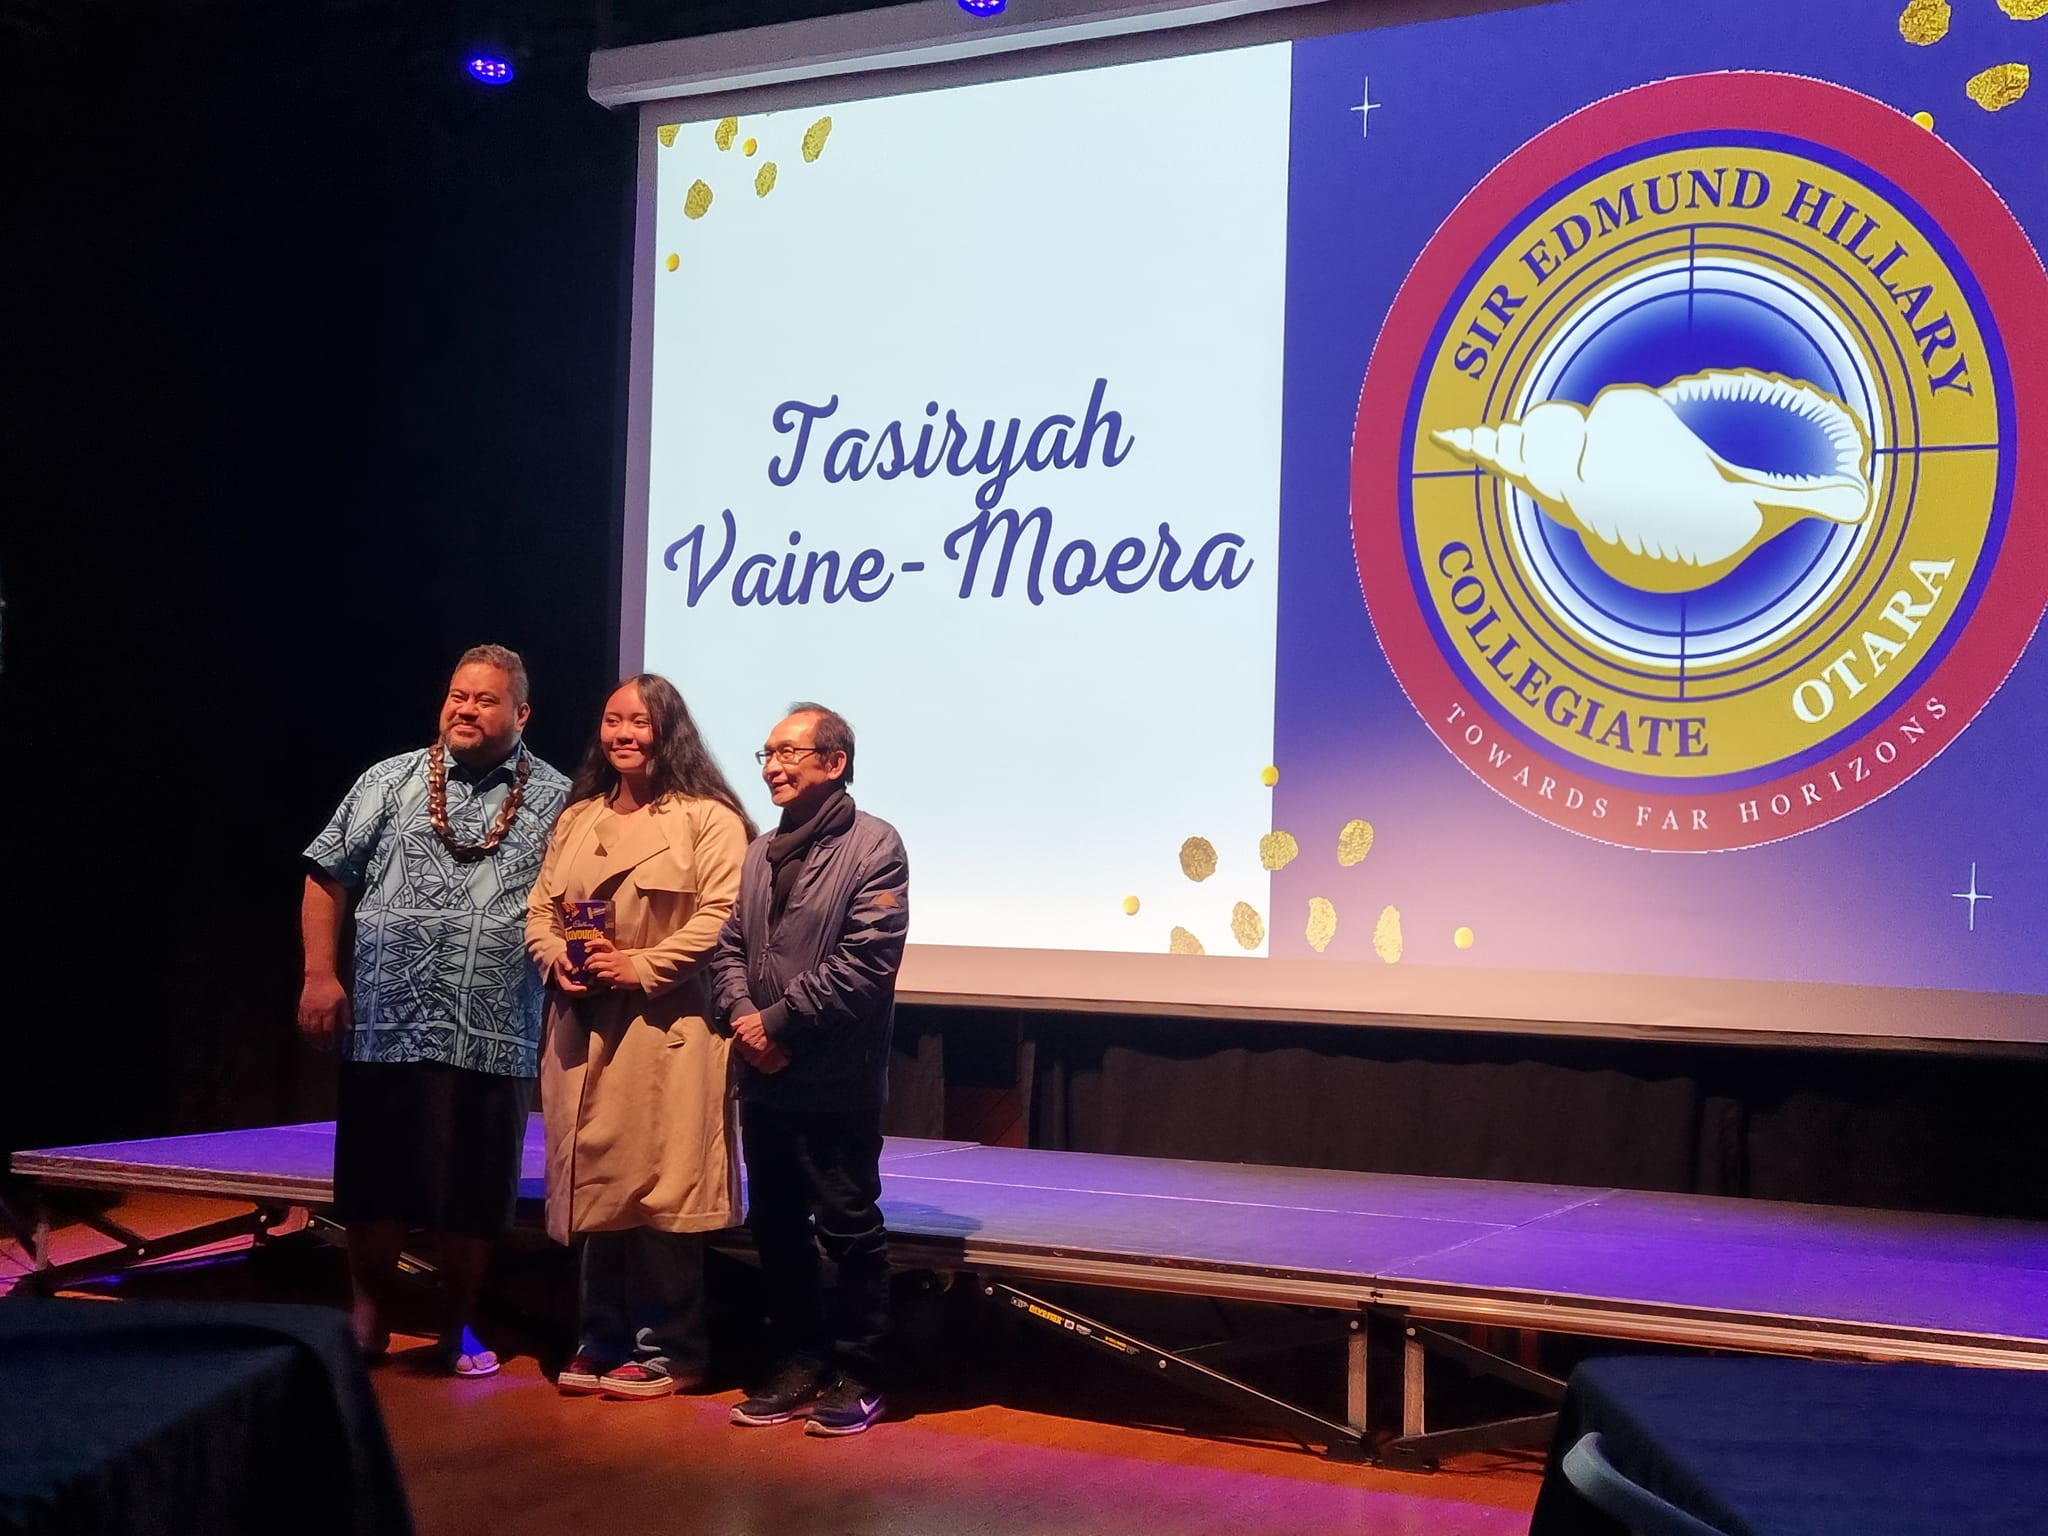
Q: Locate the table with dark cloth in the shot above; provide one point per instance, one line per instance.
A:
(1767, 1447)
(149, 1417)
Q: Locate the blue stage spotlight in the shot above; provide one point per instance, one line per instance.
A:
(983, 7)
(487, 67)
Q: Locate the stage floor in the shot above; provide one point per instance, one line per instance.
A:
(1610, 1263)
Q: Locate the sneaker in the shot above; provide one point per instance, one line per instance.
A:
(583, 1376)
(638, 1379)
(787, 1395)
(844, 1408)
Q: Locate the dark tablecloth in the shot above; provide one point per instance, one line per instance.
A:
(1763, 1447)
(138, 1417)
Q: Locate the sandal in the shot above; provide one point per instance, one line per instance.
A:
(470, 1357)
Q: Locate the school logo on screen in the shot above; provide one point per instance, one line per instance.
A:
(1697, 491)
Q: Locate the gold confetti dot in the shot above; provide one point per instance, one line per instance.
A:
(667, 134)
(1246, 926)
(727, 130)
(1198, 858)
(1277, 850)
(814, 139)
(1925, 120)
(2024, 10)
(1354, 842)
(1322, 923)
(1130, 906)
(750, 146)
(1924, 21)
(1386, 936)
(1999, 86)
(764, 179)
(1181, 942)
(696, 201)
(673, 261)
(1464, 938)
(1269, 775)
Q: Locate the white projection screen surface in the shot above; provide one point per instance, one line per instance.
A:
(1531, 518)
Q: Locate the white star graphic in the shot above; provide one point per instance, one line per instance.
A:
(1365, 109)
(1972, 896)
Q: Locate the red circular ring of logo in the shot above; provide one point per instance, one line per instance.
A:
(2002, 261)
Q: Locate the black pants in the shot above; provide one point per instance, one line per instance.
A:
(812, 1183)
(641, 1300)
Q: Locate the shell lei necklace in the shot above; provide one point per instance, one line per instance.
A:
(437, 806)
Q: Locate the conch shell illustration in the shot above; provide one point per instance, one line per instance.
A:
(1661, 510)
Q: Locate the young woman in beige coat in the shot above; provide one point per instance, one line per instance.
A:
(633, 1077)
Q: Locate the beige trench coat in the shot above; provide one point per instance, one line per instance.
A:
(635, 1085)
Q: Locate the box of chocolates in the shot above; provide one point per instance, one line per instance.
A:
(583, 921)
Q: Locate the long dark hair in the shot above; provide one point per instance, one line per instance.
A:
(680, 763)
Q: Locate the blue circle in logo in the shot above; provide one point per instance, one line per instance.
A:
(1669, 336)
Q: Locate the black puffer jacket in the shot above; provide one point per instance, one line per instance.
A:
(823, 977)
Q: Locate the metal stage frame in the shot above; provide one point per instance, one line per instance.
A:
(1376, 1251)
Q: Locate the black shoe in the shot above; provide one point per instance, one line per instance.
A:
(787, 1395)
(844, 1408)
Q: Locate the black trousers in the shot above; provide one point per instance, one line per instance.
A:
(813, 1180)
(640, 1294)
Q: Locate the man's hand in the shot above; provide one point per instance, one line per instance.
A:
(323, 1009)
(751, 1035)
(754, 1046)
(563, 979)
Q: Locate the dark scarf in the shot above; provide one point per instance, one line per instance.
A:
(788, 845)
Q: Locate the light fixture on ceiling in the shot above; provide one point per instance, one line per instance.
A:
(490, 66)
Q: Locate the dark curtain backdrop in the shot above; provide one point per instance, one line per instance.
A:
(1916, 1132)
(322, 363)
(317, 358)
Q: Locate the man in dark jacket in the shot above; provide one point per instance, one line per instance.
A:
(805, 971)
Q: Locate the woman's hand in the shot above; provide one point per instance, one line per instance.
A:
(563, 978)
(607, 966)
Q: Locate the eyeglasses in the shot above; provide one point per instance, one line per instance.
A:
(787, 756)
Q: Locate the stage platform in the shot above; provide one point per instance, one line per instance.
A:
(1607, 1263)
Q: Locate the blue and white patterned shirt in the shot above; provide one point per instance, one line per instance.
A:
(441, 970)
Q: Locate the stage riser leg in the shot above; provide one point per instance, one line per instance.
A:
(1417, 1448)
(46, 1277)
(1487, 1363)
(1340, 1441)
(1413, 1361)
(1355, 1351)
(1421, 1453)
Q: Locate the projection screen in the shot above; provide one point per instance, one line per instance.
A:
(1524, 517)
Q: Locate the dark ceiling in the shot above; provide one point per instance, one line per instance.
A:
(402, 40)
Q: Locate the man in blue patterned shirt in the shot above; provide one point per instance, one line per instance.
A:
(436, 851)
